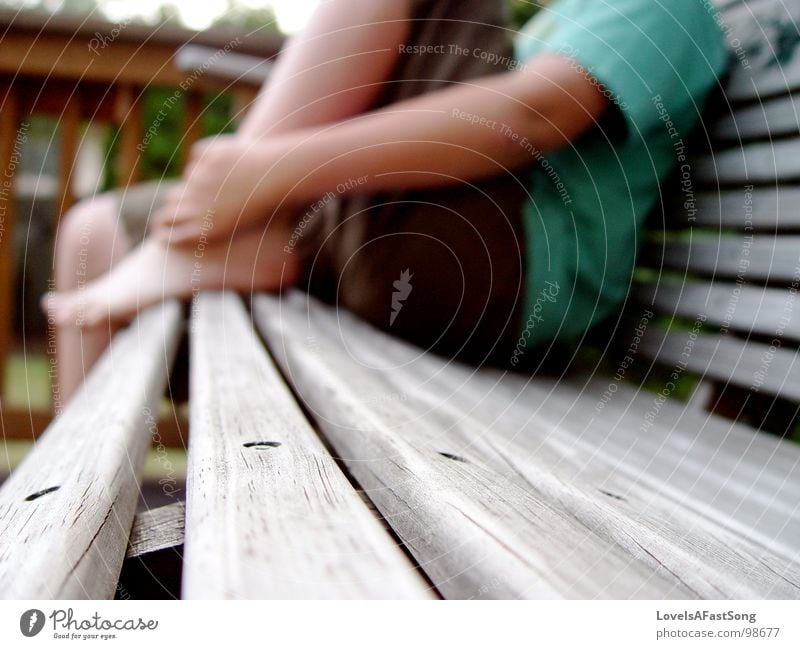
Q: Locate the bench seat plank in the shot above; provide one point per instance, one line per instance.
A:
(497, 421)
(66, 511)
(747, 494)
(269, 514)
(474, 528)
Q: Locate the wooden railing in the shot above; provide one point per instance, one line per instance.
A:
(80, 70)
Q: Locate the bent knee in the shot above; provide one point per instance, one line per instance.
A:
(95, 217)
(89, 238)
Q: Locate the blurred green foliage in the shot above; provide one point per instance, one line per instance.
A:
(523, 10)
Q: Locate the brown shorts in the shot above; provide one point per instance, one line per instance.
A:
(443, 268)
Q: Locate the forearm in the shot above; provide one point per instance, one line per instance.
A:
(462, 133)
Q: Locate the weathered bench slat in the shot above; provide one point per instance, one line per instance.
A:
(769, 119)
(554, 440)
(752, 163)
(734, 492)
(763, 208)
(759, 257)
(770, 369)
(568, 454)
(763, 38)
(475, 529)
(268, 511)
(157, 529)
(744, 308)
(461, 412)
(66, 511)
(549, 419)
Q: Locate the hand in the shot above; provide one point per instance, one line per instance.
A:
(223, 187)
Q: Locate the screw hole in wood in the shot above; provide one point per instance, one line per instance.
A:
(610, 495)
(451, 456)
(41, 493)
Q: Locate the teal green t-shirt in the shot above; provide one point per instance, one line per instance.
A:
(655, 60)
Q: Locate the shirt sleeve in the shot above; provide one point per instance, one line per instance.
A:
(652, 58)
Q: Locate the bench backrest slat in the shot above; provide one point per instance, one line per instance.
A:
(771, 209)
(726, 251)
(756, 258)
(748, 309)
(756, 366)
(772, 118)
(760, 163)
(762, 35)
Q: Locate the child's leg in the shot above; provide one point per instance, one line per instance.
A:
(89, 242)
(252, 261)
(330, 71)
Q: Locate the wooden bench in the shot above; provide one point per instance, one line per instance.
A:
(327, 459)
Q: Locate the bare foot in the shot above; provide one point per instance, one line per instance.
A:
(154, 272)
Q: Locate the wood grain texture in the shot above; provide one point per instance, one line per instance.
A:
(157, 529)
(269, 514)
(748, 309)
(475, 528)
(66, 511)
(676, 504)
